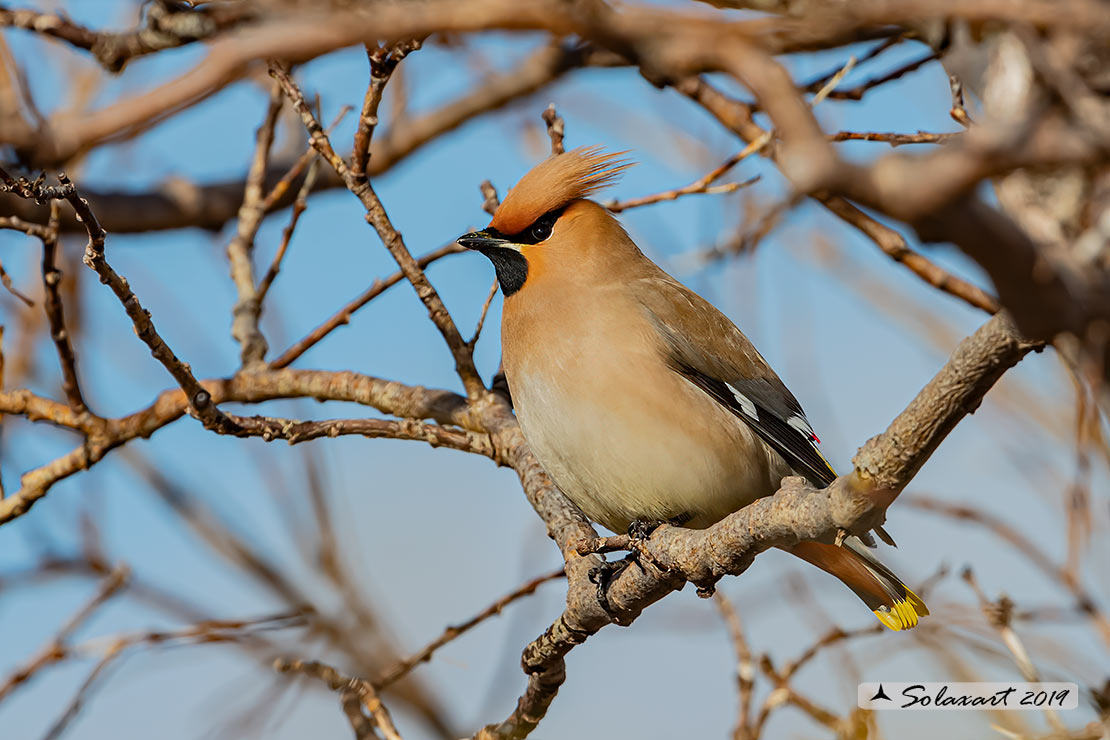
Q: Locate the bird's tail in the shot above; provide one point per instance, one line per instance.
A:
(892, 601)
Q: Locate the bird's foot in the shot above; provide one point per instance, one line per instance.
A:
(640, 529)
(603, 575)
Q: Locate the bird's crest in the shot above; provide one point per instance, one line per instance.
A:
(554, 182)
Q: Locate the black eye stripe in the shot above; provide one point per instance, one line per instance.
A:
(539, 230)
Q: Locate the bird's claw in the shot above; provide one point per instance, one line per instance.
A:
(603, 575)
(640, 529)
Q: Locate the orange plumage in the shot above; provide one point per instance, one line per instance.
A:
(555, 182)
(640, 399)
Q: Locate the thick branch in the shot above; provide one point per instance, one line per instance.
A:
(167, 25)
(854, 502)
(857, 501)
(294, 431)
(397, 399)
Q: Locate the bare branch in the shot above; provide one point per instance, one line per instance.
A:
(737, 117)
(857, 93)
(391, 238)
(6, 280)
(490, 200)
(240, 252)
(167, 25)
(178, 204)
(343, 315)
(854, 502)
(300, 204)
(52, 302)
(394, 398)
(56, 650)
(199, 399)
(921, 137)
(402, 668)
(482, 317)
(555, 128)
(883, 466)
(357, 687)
(1027, 547)
(745, 667)
(383, 62)
(294, 432)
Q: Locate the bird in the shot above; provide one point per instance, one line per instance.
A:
(642, 401)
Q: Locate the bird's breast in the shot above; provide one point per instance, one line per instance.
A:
(621, 434)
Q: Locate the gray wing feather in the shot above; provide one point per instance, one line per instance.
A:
(705, 347)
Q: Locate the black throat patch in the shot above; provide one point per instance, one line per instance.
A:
(511, 267)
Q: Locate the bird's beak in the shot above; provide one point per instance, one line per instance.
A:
(485, 239)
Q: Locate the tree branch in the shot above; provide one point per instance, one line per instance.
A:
(377, 217)
(855, 502)
(166, 25)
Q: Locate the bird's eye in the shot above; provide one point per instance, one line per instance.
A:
(541, 230)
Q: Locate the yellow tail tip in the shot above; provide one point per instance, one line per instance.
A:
(904, 614)
(917, 603)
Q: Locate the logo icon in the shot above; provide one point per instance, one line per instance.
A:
(880, 694)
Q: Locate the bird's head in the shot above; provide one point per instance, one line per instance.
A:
(545, 216)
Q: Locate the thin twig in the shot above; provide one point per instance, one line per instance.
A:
(743, 241)
(199, 399)
(6, 279)
(52, 302)
(206, 632)
(247, 310)
(398, 671)
(294, 431)
(336, 681)
(556, 128)
(383, 62)
(490, 200)
(81, 695)
(829, 87)
(701, 185)
(57, 649)
(819, 82)
(281, 187)
(343, 315)
(1027, 547)
(895, 140)
(15, 223)
(317, 136)
(482, 317)
(30, 229)
(999, 615)
(958, 112)
(857, 93)
(378, 218)
(737, 117)
(300, 204)
(745, 666)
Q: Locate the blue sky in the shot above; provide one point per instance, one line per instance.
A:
(437, 535)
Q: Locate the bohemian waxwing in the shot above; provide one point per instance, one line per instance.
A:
(642, 401)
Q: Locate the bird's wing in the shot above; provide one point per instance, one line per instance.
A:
(708, 350)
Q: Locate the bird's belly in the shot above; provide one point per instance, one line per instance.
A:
(621, 455)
